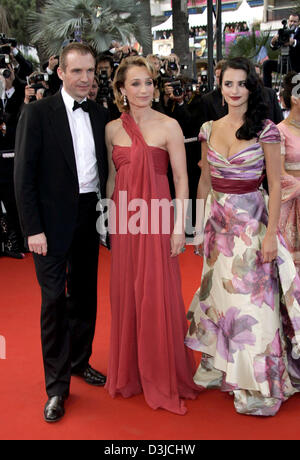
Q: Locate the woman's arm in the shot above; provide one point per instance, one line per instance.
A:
(273, 160)
(110, 185)
(204, 187)
(176, 149)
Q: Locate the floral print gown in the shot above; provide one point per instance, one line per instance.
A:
(245, 317)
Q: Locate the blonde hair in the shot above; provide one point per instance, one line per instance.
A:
(121, 74)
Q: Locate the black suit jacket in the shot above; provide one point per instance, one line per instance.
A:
(213, 108)
(46, 181)
(295, 52)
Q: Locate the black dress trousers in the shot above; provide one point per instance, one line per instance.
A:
(69, 301)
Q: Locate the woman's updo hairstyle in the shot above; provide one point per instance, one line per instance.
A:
(121, 74)
(257, 110)
(287, 89)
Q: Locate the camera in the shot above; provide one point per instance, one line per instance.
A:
(8, 41)
(204, 88)
(36, 82)
(284, 33)
(4, 61)
(105, 93)
(177, 88)
(37, 79)
(176, 85)
(4, 72)
(172, 66)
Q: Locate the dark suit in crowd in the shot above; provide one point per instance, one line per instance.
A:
(271, 65)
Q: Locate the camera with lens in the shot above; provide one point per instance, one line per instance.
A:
(284, 34)
(36, 82)
(204, 88)
(37, 79)
(5, 72)
(8, 41)
(177, 87)
(172, 66)
(105, 93)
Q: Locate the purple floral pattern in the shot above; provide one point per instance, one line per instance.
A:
(251, 276)
(233, 332)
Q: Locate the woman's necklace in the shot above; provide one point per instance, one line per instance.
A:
(294, 123)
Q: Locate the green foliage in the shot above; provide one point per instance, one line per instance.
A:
(99, 21)
(16, 13)
(250, 45)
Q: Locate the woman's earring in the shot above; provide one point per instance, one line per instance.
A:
(125, 103)
(223, 101)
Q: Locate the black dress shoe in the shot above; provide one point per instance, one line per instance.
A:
(92, 376)
(54, 409)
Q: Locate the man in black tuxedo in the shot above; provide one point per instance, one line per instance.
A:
(60, 165)
(293, 45)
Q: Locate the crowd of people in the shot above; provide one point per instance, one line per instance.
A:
(229, 28)
(120, 124)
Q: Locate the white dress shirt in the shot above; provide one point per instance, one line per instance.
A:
(84, 146)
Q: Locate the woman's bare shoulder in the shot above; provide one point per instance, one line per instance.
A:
(112, 128)
(166, 122)
(114, 125)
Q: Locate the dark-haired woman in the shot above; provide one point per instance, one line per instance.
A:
(289, 222)
(235, 316)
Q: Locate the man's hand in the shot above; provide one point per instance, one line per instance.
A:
(29, 92)
(274, 39)
(38, 244)
(9, 81)
(53, 62)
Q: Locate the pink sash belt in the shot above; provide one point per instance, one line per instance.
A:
(238, 187)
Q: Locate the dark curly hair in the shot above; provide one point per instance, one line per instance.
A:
(257, 110)
(287, 88)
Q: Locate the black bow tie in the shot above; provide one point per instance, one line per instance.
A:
(84, 106)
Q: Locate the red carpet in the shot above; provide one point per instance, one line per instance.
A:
(90, 413)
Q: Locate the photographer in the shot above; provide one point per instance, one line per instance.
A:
(156, 63)
(37, 87)
(202, 86)
(50, 68)
(288, 40)
(105, 96)
(12, 96)
(178, 99)
(22, 67)
(174, 102)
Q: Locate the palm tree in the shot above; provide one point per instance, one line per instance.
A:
(94, 21)
(250, 45)
(4, 27)
(147, 49)
(181, 33)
